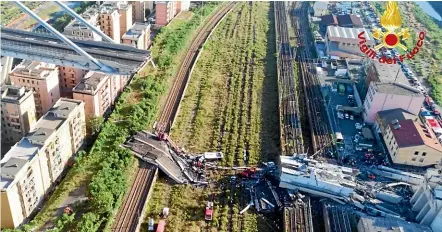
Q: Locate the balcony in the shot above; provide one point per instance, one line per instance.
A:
(14, 116)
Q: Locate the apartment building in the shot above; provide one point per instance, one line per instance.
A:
(96, 92)
(386, 96)
(42, 79)
(138, 36)
(427, 205)
(77, 30)
(18, 113)
(125, 11)
(344, 42)
(109, 20)
(165, 11)
(408, 140)
(182, 6)
(139, 10)
(32, 166)
(69, 77)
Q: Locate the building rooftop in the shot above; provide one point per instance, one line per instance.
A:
(390, 73)
(23, 150)
(39, 136)
(14, 93)
(382, 224)
(63, 108)
(396, 88)
(108, 7)
(34, 69)
(329, 20)
(89, 15)
(347, 19)
(348, 33)
(12, 167)
(136, 31)
(413, 133)
(323, 5)
(387, 116)
(91, 82)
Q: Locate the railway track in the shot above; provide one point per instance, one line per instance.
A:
(291, 131)
(177, 91)
(298, 218)
(129, 215)
(318, 120)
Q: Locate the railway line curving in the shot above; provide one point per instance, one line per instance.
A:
(177, 91)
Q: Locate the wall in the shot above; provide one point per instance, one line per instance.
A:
(385, 101)
(69, 78)
(406, 154)
(162, 13)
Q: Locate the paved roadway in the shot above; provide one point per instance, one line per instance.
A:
(123, 57)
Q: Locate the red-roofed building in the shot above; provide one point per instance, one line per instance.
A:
(409, 141)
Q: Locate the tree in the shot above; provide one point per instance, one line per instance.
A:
(88, 223)
(95, 123)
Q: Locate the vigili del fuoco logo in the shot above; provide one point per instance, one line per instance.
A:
(391, 22)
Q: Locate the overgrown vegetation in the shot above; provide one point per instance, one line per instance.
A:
(428, 62)
(231, 103)
(432, 53)
(10, 11)
(106, 169)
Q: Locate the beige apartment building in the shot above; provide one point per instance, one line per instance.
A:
(32, 166)
(40, 77)
(165, 11)
(69, 78)
(408, 140)
(96, 92)
(138, 36)
(109, 20)
(125, 11)
(77, 30)
(18, 113)
(139, 11)
(99, 92)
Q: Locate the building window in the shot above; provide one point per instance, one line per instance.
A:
(424, 154)
(414, 159)
(73, 32)
(421, 160)
(28, 81)
(416, 153)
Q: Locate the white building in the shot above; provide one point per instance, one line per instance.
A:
(427, 205)
(320, 8)
(344, 42)
(32, 166)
